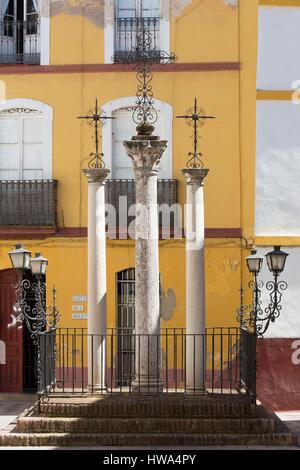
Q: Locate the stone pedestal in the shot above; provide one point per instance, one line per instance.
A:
(96, 279)
(195, 281)
(145, 152)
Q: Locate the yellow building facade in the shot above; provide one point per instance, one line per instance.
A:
(216, 46)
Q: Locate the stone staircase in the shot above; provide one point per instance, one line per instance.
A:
(148, 421)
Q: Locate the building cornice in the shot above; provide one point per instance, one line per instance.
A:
(117, 68)
(34, 233)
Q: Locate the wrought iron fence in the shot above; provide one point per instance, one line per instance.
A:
(28, 203)
(127, 38)
(220, 364)
(19, 41)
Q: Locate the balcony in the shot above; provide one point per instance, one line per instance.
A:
(28, 203)
(120, 194)
(131, 34)
(19, 42)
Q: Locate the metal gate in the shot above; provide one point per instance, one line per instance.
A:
(248, 362)
(125, 326)
(46, 361)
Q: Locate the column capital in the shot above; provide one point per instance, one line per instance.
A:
(195, 176)
(96, 175)
(145, 153)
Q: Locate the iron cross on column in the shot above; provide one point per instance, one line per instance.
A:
(195, 117)
(97, 119)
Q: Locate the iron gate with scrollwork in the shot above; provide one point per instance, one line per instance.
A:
(248, 361)
(46, 361)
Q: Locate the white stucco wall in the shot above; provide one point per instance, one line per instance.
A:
(278, 54)
(288, 324)
(278, 169)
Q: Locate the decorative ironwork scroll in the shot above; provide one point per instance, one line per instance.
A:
(96, 118)
(195, 117)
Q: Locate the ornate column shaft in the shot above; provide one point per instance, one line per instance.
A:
(96, 278)
(146, 152)
(195, 281)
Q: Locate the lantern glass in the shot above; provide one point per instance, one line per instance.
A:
(254, 262)
(276, 260)
(20, 258)
(38, 264)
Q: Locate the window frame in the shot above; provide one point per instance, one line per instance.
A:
(109, 29)
(47, 116)
(44, 16)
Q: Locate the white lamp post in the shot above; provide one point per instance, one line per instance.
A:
(20, 258)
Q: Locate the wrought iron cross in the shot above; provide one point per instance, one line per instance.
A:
(195, 117)
(97, 119)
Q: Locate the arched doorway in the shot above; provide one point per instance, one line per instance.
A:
(11, 372)
(18, 369)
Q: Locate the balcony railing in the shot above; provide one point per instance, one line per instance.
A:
(19, 42)
(136, 36)
(28, 203)
(120, 194)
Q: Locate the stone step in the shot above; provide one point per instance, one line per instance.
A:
(150, 439)
(145, 425)
(152, 406)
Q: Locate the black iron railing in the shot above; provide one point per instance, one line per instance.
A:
(248, 361)
(121, 195)
(219, 367)
(128, 32)
(19, 41)
(28, 203)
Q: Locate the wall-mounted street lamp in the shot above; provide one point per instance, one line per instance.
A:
(40, 320)
(38, 265)
(20, 258)
(260, 319)
(37, 318)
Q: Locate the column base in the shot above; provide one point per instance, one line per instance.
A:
(196, 391)
(97, 389)
(147, 387)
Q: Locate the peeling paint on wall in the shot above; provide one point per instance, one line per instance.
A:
(217, 282)
(177, 6)
(94, 9)
(168, 304)
(90, 9)
(231, 3)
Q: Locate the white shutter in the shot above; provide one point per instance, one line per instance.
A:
(22, 145)
(33, 155)
(126, 8)
(150, 8)
(123, 129)
(10, 148)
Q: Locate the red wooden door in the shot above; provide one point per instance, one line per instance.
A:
(11, 373)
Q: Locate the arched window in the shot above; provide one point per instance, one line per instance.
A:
(123, 128)
(25, 140)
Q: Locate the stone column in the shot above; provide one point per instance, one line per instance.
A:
(96, 278)
(146, 151)
(195, 281)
